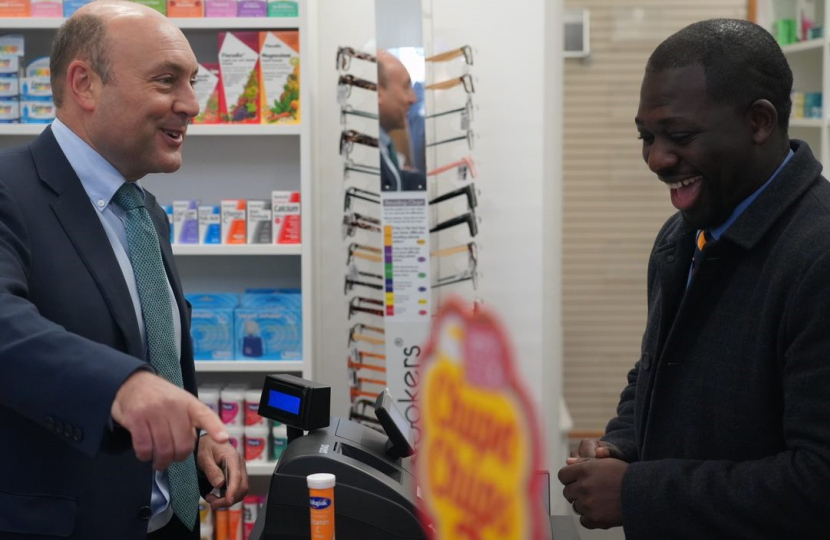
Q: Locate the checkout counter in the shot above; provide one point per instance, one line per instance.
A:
(374, 494)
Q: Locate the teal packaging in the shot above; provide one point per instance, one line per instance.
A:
(283, 8)
(211, 331)
(212, 325)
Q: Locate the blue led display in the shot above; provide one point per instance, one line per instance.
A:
(284, 402)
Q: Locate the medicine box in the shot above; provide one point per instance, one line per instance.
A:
(158, 5)
(238, 65)
(283, 8)
(234, 226)
(13, 45)
(15, 8)
(47, 8)
(210, 225)
(9, 86)
(185, 8)
(286, 208)
(259, 222)
(262, 334)
(220, 8)
(251, 8)
(71, 6)
(207, 93)
(186, 221)
(279, 76)
(9, 111)
(211, 325)
(37, 111)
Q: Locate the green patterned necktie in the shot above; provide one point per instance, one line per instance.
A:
(150, 278)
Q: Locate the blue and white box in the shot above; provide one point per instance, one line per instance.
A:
(268, 334)
(37, 111)
(9, 111)
(210, 225)
(9, 86)
(186, 221)
(212, 326)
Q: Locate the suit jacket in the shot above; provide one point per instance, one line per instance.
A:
(726, 417)
(68, 340)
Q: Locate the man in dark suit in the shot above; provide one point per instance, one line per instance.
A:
(723, 431)
(89, 431)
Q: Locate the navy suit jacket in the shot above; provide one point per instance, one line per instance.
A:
(68, 340)
(726, 417)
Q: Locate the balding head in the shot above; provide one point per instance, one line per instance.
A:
(395, 94)
(84, 36)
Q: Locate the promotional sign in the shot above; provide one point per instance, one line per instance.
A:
(480, 448)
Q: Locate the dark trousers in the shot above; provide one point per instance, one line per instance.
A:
(175, 531)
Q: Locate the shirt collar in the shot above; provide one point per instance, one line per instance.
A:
(98, 177)
(716, 232)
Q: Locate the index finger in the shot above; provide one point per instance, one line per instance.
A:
(202, 417)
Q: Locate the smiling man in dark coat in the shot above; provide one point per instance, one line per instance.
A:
(724, 428)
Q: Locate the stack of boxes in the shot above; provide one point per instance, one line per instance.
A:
(807, 105)
(237, 221)
(804, 26)
(257, 326)
(25, 89)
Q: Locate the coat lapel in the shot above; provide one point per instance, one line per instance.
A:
(83, 228)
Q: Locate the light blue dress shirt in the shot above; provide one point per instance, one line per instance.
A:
(101, 180)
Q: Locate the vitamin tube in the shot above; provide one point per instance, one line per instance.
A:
(321, 505)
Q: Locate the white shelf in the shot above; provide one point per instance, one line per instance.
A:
(223, 130)
(802, 46)
(249, 366)
(242, 249)
(807, 122)
(243, 129)
(207, 23)
(261, 469)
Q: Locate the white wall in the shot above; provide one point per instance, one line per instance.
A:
(518, 126)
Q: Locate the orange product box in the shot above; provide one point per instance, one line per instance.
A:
(239, 68)
(234, 224)
(185, 8)
(15, 8)
(279, 76)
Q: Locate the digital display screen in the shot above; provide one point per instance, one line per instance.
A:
(284, 402)
(401, 423)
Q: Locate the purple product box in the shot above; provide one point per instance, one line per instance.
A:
(252, 8)
(220, 8)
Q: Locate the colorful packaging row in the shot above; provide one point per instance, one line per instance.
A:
(257, 439)
(171, 8)
(235, 523)
(25, 91)
(261, 327)
(803, 27)
(256, 81)
(807, 104)
(237, 221)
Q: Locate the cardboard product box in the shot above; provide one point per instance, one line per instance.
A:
(283, 8)
(279, 76)
(286, 208)
(47, 8)
(259, 222)
(234, 226)
(15, 8)
(267, 335)
(238, 67)
(186, 221)
(212, 331)
(37, 111)
(185, 8)
(220, 8)
(9, 111)
(208, 81)
(9, 86)
(71, 6)
(210, 225)
(158, 5)
(14, 46)
(251, 8)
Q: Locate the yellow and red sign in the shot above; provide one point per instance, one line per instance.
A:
(480, 448)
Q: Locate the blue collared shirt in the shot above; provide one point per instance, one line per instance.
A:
(101, 180)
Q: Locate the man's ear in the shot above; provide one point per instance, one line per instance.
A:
(83, 85)
(763, 119)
